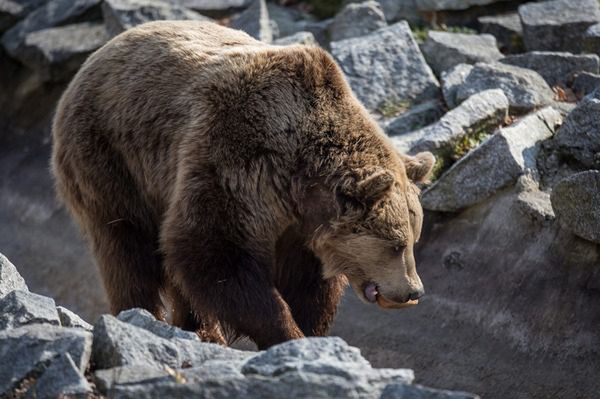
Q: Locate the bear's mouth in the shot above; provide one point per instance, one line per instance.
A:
(371, 293)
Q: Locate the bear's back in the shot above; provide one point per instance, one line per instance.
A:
(134, 93)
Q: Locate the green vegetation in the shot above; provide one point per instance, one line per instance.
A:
(390, 107)
(445, 157)
(420, 32)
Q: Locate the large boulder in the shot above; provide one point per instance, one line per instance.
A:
(255, 21)
(398, 10)
(120, 15)
(495, 164)
(357, 19)
(305, 38)
(452, 80)
(13, 10)
(525, 88)
(386, 67)
(414, 118)
(306, 368)
(117, 343)
(444, 50)
(70, 319)
(475, 118)
(591, 39)
(576, 202)
(143, 319)
(557, 25)
(506, 28)
(30, 349)
(53, 13)
(585, 83)
(57, 53)
(10, 279)
(20, 308)
(579, 137)
(61, 379)
(557, 68)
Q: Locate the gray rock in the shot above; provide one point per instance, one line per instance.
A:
(579, 137)
(106, 380)
(591, 39)
(438, 5)
(415, 118)
(557, 25)
(289, 20)
(57, 53)
(357, 19)
(60, 379)
(386, 67)
(444, 50)
(532, 202)
(70, 319)
(404, 391)
(215, 8)
(585, 83)
(576, 202)
(53, 13)
(255, 22)
(555, 67)
(452, 80)
(495, 164)
(10, 279)
(327, 356)
(307, 368)
(143, 319)
(13, 10)
(398, 10)
(117, 343)
(479, 115)
(120, 15)
(306, 38)
(506, 28)
(29, 349)
(525, 88)
(20, 308)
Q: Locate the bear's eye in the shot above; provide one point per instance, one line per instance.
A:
(398, 249)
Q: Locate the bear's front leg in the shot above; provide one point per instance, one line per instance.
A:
(222, 280)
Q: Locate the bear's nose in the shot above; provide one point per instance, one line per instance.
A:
(416, 295)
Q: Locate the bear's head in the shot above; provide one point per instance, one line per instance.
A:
(372, 235)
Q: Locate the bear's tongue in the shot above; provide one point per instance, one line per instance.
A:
(371, 292)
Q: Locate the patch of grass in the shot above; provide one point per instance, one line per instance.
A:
(420, 32)
(390, 108)
(445, 157)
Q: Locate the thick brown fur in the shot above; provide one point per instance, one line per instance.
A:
(219, 170)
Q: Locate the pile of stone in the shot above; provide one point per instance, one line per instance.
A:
(48, 351)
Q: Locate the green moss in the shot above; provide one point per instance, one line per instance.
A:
(445, 157)
(390, 108)
(420, 33)
(458, 29)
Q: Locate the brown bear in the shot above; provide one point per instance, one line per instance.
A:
(243, 181)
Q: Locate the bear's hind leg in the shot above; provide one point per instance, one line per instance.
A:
(312, 299)
(129, 265)
(207, 328)
(100, 192)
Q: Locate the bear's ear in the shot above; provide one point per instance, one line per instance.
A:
(419, 167)
(370, 188)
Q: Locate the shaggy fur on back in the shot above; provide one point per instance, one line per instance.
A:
(200, 162)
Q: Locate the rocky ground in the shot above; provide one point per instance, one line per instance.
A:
(505, 93)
